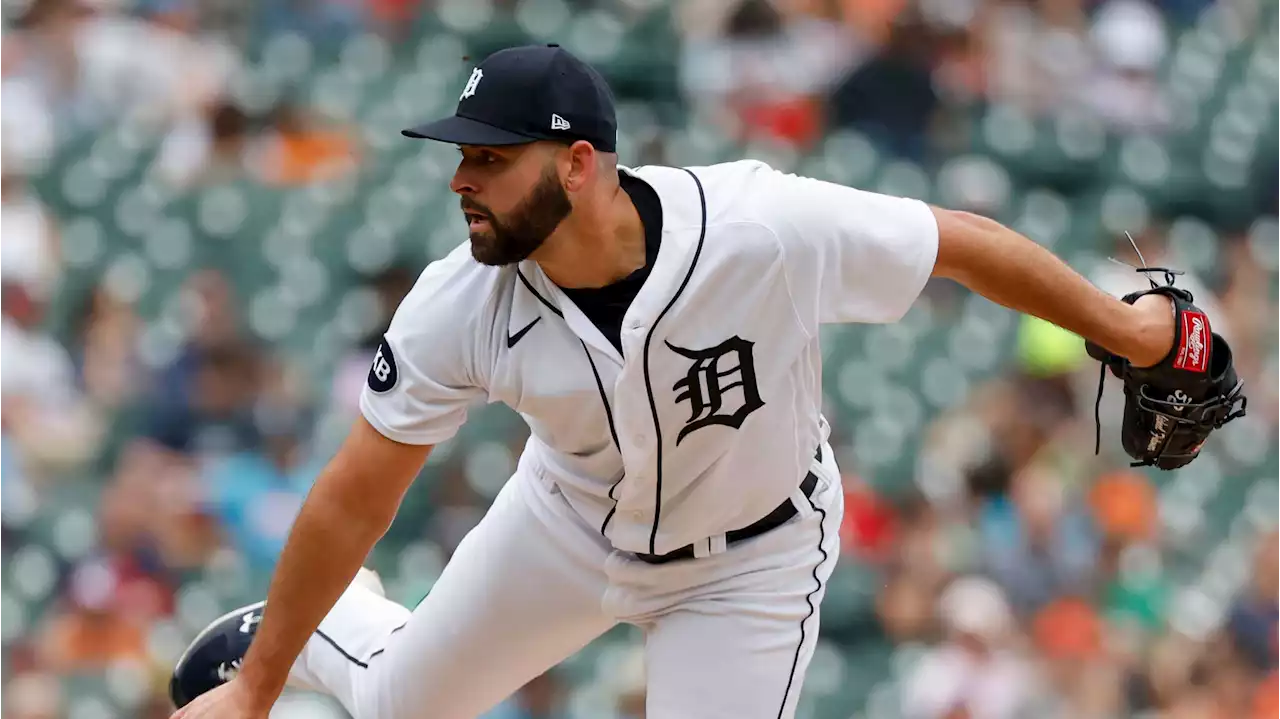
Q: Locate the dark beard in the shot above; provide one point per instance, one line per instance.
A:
(527, 226)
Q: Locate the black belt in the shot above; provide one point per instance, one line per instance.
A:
(768, 522)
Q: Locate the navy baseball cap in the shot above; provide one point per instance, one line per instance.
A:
(529, 93)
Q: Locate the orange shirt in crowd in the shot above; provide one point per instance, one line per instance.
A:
(308, 156)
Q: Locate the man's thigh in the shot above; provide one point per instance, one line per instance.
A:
(521, 593)
(740, 649)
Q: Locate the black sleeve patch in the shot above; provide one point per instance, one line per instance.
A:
(383, 374)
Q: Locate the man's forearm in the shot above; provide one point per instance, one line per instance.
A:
(326, 548)
(1009, 269)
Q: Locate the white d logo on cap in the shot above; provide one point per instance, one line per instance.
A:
(470, 89)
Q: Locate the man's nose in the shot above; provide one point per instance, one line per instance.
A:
(462, 184)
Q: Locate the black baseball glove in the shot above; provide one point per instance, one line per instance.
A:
(1171, 408)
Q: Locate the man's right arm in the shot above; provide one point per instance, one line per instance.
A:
(427, 371)
(349, 508)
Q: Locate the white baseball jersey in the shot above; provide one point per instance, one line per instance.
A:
(710, 416)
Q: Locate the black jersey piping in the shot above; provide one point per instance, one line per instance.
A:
(541, 299)
(648, 383)
(613, 432)
(604, 399)
(795, 661)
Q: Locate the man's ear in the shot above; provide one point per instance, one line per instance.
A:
(581, 166)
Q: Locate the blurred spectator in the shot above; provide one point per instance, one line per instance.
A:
(891, 97)
(256, 493)
(1130, 44)
(930, 547)
(199, 410)
(299, 149)
(870, 527)
(391, 286)
(207, 148)
(321, 21)
(216, 417)
(905, 607)
(1252, 622)
(44, 412)
(763, 71)
(33, 696)
(975, 672)
(1124, 507)
(1080, 678)
(29, 252)
(1037, 543)
(1036, 54)
(93, 630)
(89, 64)
(201, 401)
(106, 350)
(224, 143)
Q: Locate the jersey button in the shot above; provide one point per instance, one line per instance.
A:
(639, 438)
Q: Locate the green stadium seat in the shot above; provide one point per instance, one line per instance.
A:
(286, 57)
(901, 178)
(847, 157)
(14, 621)
(87, 699)
(128, 685)
(1045, 217)
(974, 182)
(33, 572)
(365, 56)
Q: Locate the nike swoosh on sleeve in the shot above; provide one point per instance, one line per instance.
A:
(513, 339)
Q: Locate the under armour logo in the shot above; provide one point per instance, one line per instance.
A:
(470, 89)
(249, 621)
(558, 123)
(703, 390)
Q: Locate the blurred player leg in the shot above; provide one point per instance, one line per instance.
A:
(740, 648)
(522, 592)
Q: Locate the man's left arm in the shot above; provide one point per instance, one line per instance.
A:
(1009, 269)
(858, 256)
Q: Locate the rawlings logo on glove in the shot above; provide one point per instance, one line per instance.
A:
(1171, 408)
(1191, 352)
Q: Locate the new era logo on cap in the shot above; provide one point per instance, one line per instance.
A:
(558, 123)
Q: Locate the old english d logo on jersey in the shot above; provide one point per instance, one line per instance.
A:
(714, 372)
(383, 374)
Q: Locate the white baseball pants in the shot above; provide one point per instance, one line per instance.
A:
(728, 636)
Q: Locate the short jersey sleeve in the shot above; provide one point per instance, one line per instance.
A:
(850, 255)
(426, 371)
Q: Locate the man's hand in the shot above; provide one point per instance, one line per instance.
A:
(232, 700)
(1153, 331)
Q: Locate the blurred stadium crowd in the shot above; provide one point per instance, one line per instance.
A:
(208, 215)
